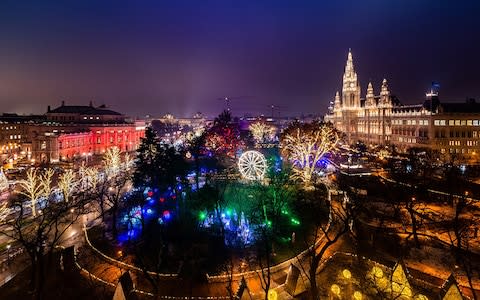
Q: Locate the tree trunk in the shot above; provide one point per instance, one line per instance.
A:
(414, 225)
(40, 276)
(33, 274)
(197, 171)
(114, 221)
(313, 278)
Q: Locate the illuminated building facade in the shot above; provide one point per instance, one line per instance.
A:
(451, 128)
(67, 133)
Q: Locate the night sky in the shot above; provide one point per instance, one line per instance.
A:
(153, 57)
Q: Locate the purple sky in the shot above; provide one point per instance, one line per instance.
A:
(153, 57)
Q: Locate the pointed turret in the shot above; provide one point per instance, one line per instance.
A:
(370, 89)
(370, 98)
(384, 91)
(385, 99)
(351, 88)
(337, 103)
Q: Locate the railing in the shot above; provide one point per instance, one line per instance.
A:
(273, 269)
(123, 264)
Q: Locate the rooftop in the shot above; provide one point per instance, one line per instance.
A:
(83, 110)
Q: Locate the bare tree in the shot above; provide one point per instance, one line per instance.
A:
(32, 188)
(46, 181)
(465, 229)
(112, 161)
(115, 192)
(4, 211)
(41, 233)
(324, 236)
(67, 183)
(304, 144)
(264, 258)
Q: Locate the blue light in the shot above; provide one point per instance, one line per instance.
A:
(166, 215)
(149, 211)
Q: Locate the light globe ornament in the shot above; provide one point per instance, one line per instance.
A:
(252, 165)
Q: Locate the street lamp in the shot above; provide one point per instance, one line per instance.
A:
(8, 253)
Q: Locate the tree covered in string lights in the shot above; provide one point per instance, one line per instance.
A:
(3, 181)
(225, 136)
(262, 132)
(304, 145)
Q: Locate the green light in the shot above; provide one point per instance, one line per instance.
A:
(269, 223)
(202, 216)
(295, 221)
(228, 212)
(285, 212)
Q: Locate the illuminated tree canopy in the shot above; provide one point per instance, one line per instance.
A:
(224, 137)
(304, 144)
(32, 188)
(262, 132)
(3, 181)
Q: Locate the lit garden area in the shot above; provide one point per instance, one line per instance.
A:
(228, 201)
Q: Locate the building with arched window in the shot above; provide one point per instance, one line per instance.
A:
(451, 128)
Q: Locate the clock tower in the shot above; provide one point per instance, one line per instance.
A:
(351, 88)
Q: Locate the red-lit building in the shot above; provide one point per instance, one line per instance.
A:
(69, 132)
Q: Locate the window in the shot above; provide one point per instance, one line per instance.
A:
(457, 122)
(436, 122)
(451, 122)
(475, 122)
(469, 122)
(464, 122)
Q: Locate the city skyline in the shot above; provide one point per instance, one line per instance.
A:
(180, 58)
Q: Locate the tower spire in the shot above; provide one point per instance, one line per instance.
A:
(349, 70)
(351, 88)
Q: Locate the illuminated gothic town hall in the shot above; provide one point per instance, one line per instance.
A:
(380, 119)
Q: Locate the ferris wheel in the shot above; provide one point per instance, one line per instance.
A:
(252, 165)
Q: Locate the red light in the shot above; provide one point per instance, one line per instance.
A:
(162, 199)
(166, 214)
(150, 193)
(174, 197)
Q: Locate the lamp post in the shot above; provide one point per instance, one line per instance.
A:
(8, 254)
(86, 155)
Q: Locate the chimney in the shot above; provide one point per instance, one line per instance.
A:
(48, 108)
(63, 103)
